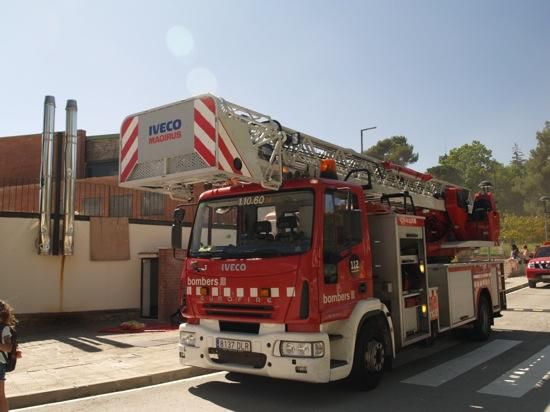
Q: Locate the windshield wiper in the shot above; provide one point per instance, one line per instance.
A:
(256, 252)
(241, 253)
(209, 254)
(269, 252)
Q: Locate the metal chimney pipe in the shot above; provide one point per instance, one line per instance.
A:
(70, 177)
(46, 163)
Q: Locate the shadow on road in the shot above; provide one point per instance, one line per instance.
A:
(255, 393)
(245, 393)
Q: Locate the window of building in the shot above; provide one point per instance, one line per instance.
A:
(120, 206)
(102, 168)
(152, 204)
(91, 206)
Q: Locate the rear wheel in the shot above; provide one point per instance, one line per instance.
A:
(482, 325)
(532, 283)
(370, 356)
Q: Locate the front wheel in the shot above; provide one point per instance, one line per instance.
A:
(532, 283)
(482, 325)
(370, 356)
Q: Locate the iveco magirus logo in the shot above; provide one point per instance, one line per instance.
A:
(233, 267)
(165, 131)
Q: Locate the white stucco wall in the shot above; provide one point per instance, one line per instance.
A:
(37, 284)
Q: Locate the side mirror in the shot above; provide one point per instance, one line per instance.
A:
(179, 215)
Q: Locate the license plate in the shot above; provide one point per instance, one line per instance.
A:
(545, 277)
(234, 344)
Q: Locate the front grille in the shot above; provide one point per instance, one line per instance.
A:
(221, 356)
(542, 265)
(239, 327)
(240, 311)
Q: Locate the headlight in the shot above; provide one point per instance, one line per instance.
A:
(302, 349)
(531, 265)
(187, 338)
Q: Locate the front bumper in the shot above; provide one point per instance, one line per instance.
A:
(264, 359)
(539, 275)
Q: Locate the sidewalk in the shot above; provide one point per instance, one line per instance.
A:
(72, 361)
(514, 283)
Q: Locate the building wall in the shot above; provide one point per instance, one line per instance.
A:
(97, 192)
(170, 294)
(98, 196)
(20, 156)
(102, 155)
(53, 284)
(102, 148)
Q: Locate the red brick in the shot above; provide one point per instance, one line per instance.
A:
(169, 283)
(20, 156)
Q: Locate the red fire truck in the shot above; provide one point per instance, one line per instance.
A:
(308, 261)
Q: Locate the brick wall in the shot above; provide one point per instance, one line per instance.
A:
(20, 156)
(101, 148)
(169, 284)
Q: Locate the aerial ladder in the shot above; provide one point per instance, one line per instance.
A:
(209, 140)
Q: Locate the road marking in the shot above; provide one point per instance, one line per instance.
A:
(523, 377)
(526, 310)
(449, 370)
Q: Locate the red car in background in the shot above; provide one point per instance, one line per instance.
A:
(538, 268)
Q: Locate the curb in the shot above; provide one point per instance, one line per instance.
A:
(65, 394)
(518, 287)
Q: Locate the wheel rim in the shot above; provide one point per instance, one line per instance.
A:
(374, 356)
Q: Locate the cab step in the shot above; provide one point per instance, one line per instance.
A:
(335, 337)
(335, 363)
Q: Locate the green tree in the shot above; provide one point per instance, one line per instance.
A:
(447, 173)
(395, 149)
(522, 229)
(507, 182)
(518, 158)
(536, 182)
(472, 162)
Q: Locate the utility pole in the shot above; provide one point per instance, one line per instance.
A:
(364, 130)
(545, 200)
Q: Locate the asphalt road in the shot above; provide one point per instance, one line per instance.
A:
(510, 372)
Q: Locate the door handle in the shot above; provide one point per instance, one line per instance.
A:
(362, 287)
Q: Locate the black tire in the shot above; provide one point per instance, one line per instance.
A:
(482, 325)
(532, 283)
(370, 358)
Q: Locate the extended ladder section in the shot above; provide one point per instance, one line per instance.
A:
(210, 140)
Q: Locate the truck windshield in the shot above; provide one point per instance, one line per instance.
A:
(265, 225)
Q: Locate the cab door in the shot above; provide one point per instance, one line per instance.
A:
(345, 267)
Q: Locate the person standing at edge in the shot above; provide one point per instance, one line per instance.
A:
(525, 255)
(7, 320)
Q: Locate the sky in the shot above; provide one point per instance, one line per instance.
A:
(442, 73)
